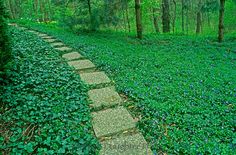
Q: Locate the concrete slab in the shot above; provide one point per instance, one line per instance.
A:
(72, 56)
(57, 44)
(81, 64)
(31, 31)
(23, 28)
(112, 121)
(95, 78)
(64, 49)
(126, 145)
(50, 40)
(47, 37)
(104, 97)
(42, 35)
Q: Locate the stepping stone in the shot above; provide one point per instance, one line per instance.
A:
(126, 145)
(112, 121)
(23, 28)
(64, 49)
(12, 24)
(72, 56)
(81, 64)
(104, 97)
(57, 44)
(31, 31)
(47, 37)
(94, 78)
(50, 40)
(42, 35)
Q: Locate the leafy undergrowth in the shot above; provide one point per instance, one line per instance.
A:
(44, 108)
(185, 87)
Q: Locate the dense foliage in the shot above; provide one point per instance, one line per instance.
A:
(5, 53)
(44, 107)
(119, 15)
(184, 87)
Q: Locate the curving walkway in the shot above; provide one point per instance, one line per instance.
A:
(112, 123)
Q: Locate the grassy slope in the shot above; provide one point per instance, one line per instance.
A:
(184, 86)
(45, 108)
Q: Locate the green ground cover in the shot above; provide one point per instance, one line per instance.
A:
(183, 86)
(43, 103)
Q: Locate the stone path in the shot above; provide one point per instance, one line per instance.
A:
(112, 123)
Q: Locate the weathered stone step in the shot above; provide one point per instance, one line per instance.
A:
(72, 56)
(47, 37)
(81, 64)
(104, 97)
(64, 49)
(42, 35)
(126, 145)
(95, 78)
(57, 44)
(51, 40)
(31, 31)
(111, 121)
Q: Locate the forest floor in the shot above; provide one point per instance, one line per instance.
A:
(182, 87)
(46, 109)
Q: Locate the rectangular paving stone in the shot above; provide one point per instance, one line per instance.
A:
(50, 40)
(126, 145)
(47, 37)
(112, 121)
(94, 78)
(42, 35)
(81, 64)
(64, 49)
(23, 28)
(72, 56)
(57, 44)
(31, 31)
(104, 97)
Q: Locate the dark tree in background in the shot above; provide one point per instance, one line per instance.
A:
(5, 53)
(199, 17)
(166, 16)
(138, 14)
(221, 21)
(155, 20)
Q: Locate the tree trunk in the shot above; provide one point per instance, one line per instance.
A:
(155, 20)
(187, 19)
(92, 26)
(174, 17)
(12, 9)
(36, 8)
(138, 14)
(182, 13)
(199, 18)
(198, 28)
(41, 4)
(221, 21)
(127, 15)
(46, 11)
(49, 10)
(209, 19)
(166, 16)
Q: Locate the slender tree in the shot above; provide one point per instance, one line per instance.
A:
(155, 20)
(166, 16)
(174, 15)
(138, 14)
(199, 18)
(182, 14)
(127, 14)
(221, 21)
